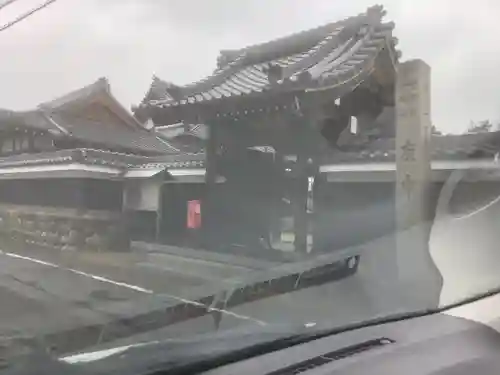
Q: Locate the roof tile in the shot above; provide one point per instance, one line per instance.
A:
(456, 146)
(100, 157)
(330, 54)
(29, 119)
(109, 135)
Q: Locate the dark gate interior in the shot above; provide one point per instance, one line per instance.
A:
(243, 207)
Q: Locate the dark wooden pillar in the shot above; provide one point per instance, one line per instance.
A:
(159, 214)
(211, 155)
(320, 204)
(306, 140)
(277, 188)
(208, 204)
(299, 204)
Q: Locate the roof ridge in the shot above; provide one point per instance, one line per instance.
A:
(155, 86)
(219, 75)
(245, 56)
(83, 94)
(96, 150)
(347, 36)
(101, 85)
(285, 64)
(29, 119)
(324, 48)
(201, 85)
(317, 33)
(79, 117)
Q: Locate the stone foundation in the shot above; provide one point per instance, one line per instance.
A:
(65, 229)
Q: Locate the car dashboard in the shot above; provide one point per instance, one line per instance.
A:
(438, 344)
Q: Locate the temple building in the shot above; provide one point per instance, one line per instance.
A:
(273, 111)
(288, 145)
(298, 137)
(68, 170)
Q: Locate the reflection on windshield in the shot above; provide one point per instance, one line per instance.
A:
(302, 181)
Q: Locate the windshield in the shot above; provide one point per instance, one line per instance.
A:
(171, 169)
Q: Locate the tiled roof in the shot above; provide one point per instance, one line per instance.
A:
(450, 147)
(174, 130)
(187, 143)
(199, 130)
(97, 91)
(190, 139)
(447, 147)
(443, 147)
(106, 134)
(99, 133)
(103, 158)
(158, 90)
(66, 117)
(174, 161)
(86, 92)
(83, 156)
(30, 119)
(333, 55)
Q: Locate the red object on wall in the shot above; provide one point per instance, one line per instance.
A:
(194, 214)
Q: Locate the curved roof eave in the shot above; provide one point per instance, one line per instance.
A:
(330, 64)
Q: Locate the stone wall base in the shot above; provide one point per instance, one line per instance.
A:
(65, 229)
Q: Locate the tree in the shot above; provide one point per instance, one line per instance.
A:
(484, 126)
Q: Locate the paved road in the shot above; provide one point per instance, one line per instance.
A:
(48, 298)
(46, 291)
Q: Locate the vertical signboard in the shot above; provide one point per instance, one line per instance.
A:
(412, 142)
(415, 269)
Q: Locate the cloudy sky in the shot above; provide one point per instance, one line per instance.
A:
(74, 42)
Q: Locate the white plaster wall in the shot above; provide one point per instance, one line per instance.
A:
(142, 194)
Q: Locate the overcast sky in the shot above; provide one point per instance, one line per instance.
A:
(74, 42)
